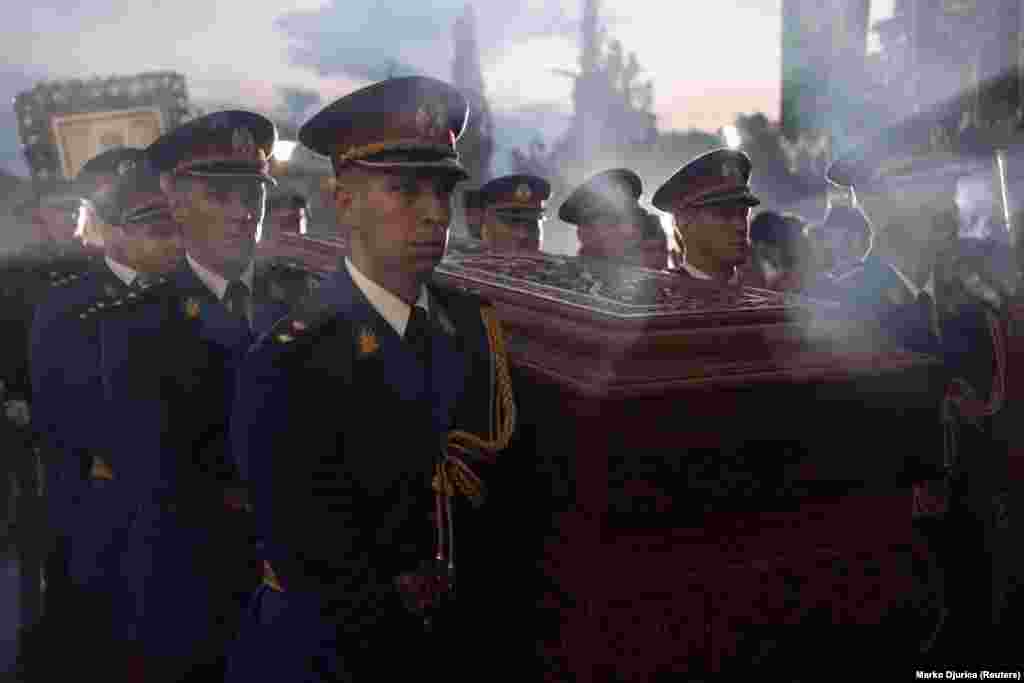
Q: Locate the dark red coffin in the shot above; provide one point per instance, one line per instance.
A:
(701, 476)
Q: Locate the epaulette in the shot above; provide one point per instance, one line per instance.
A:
(121, 299)
(62, 278)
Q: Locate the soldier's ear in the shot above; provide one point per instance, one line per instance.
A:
(180, 213)
(343, 198)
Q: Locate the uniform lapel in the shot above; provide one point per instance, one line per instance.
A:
(448, 365)
(380, 354)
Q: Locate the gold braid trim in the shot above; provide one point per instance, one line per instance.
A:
(454, 475)
(400, 145)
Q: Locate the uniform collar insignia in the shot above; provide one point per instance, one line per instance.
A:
(368, 344)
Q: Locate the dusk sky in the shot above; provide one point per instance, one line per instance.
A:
(709, 60)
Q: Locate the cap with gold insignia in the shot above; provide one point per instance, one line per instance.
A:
(226, 144)
(111, 163)
(516, 195)
(411, 122)
(137, 198)
(721, 176)
(610, 193)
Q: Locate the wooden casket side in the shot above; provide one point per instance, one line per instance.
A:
(710, 448)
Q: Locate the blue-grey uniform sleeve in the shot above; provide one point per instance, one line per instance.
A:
(65, 383)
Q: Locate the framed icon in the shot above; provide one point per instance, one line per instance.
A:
(80, 137)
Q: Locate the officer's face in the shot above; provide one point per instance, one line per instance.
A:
(222, 220)
(719, 232)
(503, 233)
(609, 237)
(154, 247)
(400, 218)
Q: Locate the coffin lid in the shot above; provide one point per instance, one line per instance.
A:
(607, 330)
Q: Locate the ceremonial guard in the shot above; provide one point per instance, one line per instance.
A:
(710, 200)
(86, 508)
(917, 284)
(361, 414)
(142, 382)
(514, 213)
(607, 216)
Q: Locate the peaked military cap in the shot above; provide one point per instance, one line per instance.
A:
(410, 122)
(226, 143)
(721, 176)
(610, 193)
(137, 197)
(113, 162)
(516, 195)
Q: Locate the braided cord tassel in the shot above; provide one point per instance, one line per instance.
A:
(458, 476)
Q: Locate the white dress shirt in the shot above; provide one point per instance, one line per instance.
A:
(395, 311)
(124, 273)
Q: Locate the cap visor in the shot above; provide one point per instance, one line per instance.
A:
(270, 180)
(443, 166)
(741, 196)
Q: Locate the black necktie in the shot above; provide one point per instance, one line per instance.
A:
(417, 333)
(236, 299)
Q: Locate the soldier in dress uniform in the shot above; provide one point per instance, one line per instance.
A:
(356, 513)
(473, 205)
(87, 508)
(710, 200)
(514, 212)
(606, 214)
(157, 368)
